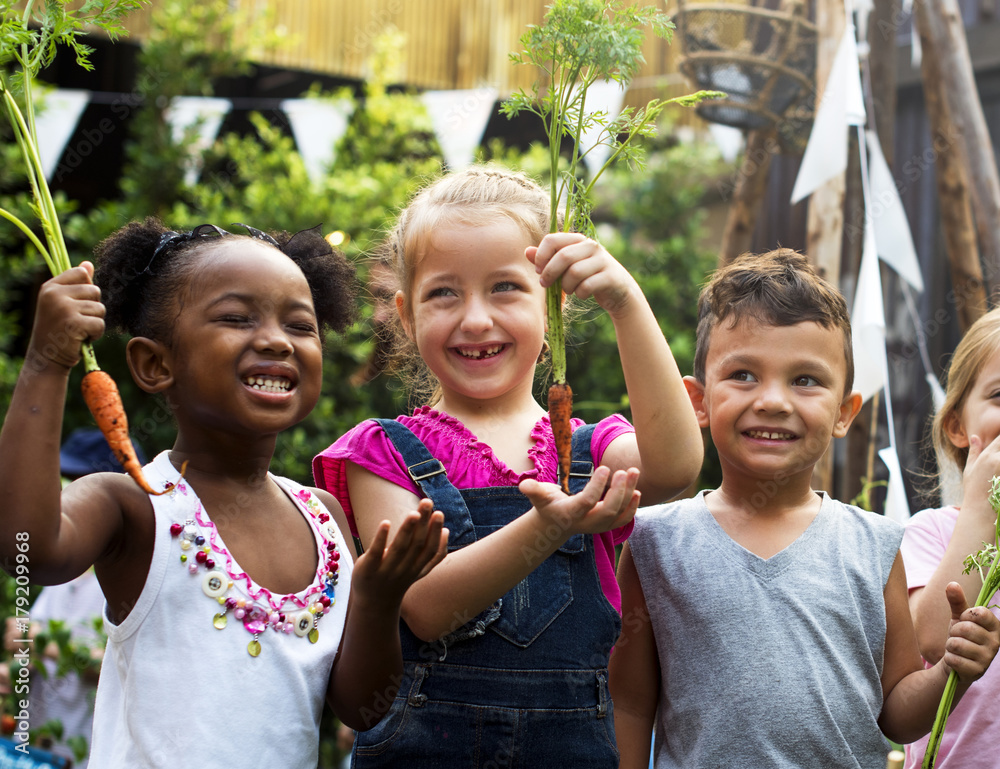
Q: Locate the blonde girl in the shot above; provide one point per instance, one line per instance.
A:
(966, 433)
(507, 642)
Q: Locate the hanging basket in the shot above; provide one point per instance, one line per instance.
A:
(763, 58)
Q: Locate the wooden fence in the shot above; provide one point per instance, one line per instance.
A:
(449, 44)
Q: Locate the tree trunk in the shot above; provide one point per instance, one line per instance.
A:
(946, 59)
(951, 173)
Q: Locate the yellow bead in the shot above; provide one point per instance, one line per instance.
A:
(183, 558)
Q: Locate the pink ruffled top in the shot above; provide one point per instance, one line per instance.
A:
(470, 464)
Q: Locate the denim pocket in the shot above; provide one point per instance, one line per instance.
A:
(383, 735)
(535, 602)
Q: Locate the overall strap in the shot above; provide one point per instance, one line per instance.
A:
(580, 470)
(430, 476)
(583, 462)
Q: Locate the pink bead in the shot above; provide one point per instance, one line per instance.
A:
(201, 556)
(175, 529)
(240, 613)
(210, 563)
(193, 568)
(273, 618)
(288, 627)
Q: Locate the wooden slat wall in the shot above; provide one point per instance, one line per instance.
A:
(450, 44)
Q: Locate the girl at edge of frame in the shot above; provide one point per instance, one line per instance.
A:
(966, 435)
(232, 596)
(506, 643)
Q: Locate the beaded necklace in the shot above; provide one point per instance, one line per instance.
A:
(203, 552)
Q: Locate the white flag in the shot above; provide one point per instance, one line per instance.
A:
(868, 324)
(887, 216)
(842, 105)
(459, 119)
(55, 121)
(317, 125)
(604, 96)
(205, 114)
(896, 507)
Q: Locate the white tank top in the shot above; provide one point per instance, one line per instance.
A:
(179, 686)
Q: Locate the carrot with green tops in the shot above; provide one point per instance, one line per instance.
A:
(580, 43)
(29, 37)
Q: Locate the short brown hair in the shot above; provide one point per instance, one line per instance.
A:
(779, 288)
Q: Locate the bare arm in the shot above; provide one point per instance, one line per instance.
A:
(67, 532)
(474, 577)
(975, 525)
(370, 663)
(634, 671)
(667, 445)
(911, 693)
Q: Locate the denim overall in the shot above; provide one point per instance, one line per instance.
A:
(524, 684)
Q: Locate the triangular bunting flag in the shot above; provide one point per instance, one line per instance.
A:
(842, 105)
(317, 125)
(868, 324)
(203, 113)
(604, 96)
(896, 507)
(887, 216)
(55, 121)
(459, 119)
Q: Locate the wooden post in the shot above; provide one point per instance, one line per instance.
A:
(748, 194)
(950, 171)
(825, 221)
(946, 58)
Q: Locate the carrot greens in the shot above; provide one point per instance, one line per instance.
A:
(580, 43)
(29, 39)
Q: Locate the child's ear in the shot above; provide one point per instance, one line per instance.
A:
(849, 409)
(403, 315)
(955, 431)
(696, 392)
(149, 362)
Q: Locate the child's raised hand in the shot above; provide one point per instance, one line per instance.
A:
(69, 313)
(586, 269)
(973, 638)
(587, 512)
(387, 569)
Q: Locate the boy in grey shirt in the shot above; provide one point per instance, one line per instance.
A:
(766, 624)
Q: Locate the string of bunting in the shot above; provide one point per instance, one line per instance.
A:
(459, 119)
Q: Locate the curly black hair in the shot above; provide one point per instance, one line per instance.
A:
(139, 286)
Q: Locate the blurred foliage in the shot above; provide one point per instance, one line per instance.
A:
(651, 222)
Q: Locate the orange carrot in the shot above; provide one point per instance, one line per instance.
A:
(100, 393)
(560, 411)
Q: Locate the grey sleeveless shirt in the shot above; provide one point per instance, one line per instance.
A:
(767, 663)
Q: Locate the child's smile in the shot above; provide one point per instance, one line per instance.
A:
(481, 353)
